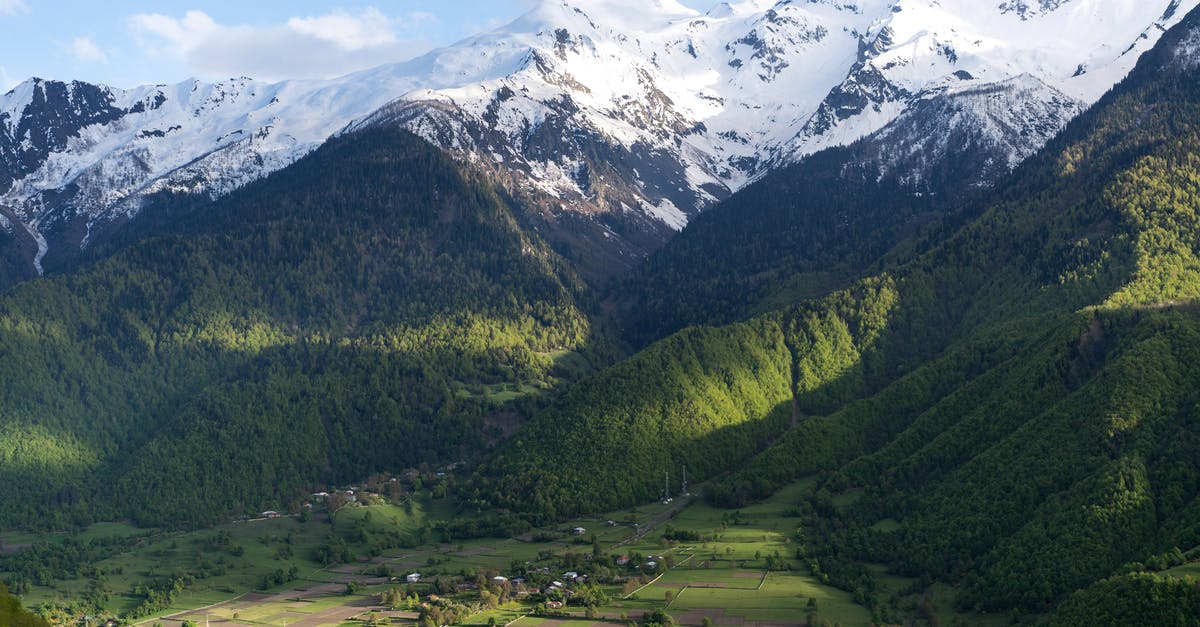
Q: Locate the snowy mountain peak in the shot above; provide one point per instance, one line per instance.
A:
(633, 115)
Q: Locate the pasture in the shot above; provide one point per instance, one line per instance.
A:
(732, 567)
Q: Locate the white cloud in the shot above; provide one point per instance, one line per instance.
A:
(348, 32)
(178, 36)
(84, 49)
(13, 7)
(303, 47)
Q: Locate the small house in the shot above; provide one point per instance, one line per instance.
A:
(651, 565)
(570, 575)
(270, 514)
(579, 531)
(499, 579)
(623, 560)
(413, 578)
(554, 605)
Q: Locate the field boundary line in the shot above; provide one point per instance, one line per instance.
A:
(660, 576)
(646, 585)
(763, 580)
(181, 612)
(676, 597)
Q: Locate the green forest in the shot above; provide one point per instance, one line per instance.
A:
(343, 317)
(991, 391)
(1003, 390)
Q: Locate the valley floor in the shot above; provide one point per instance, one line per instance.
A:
(742, 570)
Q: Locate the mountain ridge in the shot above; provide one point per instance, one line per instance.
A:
(613, 162)
(1003, 403)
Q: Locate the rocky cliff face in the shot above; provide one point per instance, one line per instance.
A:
(614, 131)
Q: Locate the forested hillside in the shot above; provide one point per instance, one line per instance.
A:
(1008, 406)
(802, 232)
(988, 390)
(13, 615)
(808, 229)
(346, 316)
(706, 398)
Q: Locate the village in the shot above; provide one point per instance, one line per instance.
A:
(383, 552)
(676, 557)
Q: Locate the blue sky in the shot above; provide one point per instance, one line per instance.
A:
(134, 42)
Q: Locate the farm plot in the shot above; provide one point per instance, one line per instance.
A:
(278, 610)
(783, 599)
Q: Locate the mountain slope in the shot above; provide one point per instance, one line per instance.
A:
(704, 398)
(13, 615)
(1021, 421)
(612, 132)
(342, 317)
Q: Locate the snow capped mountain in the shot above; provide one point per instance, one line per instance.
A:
(78, 155)
(615, 120)
(1078, 47)
(968, 135)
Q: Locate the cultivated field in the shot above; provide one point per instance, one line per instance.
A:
(740, 570)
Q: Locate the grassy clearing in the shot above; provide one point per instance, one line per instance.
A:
(564, 365)
(379, 520)
(1191, 569)
(277, 611)
(498, 393)
(887, 525)
(254, 550)
(109, 530)
(724, 569)
(503, 615)
(783, 595)
(730, 577)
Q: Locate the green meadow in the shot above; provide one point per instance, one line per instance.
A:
(725, 565)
